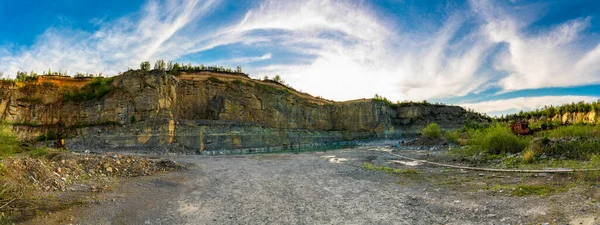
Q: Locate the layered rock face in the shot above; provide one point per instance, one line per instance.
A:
(205, 111)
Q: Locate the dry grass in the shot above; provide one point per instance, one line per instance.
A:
(528, 156)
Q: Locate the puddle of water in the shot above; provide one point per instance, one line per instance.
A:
(337, 160)
(333, 159)
(407, 163)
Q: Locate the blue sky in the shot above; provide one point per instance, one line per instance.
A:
(491, 56)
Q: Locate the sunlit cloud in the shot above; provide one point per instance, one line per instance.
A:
(340, 50)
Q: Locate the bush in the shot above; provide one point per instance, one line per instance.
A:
(432, 130)
(451, 136)
(497, 139)
(528, 156)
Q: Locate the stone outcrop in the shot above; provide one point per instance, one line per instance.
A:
(203, 112)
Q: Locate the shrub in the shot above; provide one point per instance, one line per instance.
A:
(497, 139)
(451, 136)
(432, 130)
(528, 156)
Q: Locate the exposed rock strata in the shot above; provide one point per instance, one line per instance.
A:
(204, 111)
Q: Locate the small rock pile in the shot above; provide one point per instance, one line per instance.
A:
(58, 171)
(423, 143)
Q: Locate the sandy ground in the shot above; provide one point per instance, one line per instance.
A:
(322, 188)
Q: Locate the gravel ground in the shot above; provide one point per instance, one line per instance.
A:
(318, 188)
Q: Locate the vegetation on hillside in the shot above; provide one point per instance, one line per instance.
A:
(432, 130)
(96, 89)
(550, 111)
(562, 146)
(175, 67)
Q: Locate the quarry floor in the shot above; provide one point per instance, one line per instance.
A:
(322, 188)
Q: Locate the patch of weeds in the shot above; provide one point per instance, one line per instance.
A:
(591, 176)
(538, 189)
(521, 190)
(9, 144)
(215, 80)
(96, 89)
(266, 88)
(370, 167)
(48, 136)
(237, 82)
(574, 131)
(38, 152)
(528, 156)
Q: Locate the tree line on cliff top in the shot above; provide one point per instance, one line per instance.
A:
(173, 68)
(550, 111)
(169, 67)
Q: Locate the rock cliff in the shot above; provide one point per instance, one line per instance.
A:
(201, 112)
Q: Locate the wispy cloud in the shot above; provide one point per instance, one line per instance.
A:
(341, 46)
(551, 57)
(114, 46)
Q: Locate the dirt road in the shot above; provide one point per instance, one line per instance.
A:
(317, 188)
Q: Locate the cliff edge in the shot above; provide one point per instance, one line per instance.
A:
(201, 112)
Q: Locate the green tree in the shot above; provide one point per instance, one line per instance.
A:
(159, 65)
(145, 66)
(170, 66)
(278, 79)
(238, 69)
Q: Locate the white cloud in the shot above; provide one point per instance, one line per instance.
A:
(526, 103)
(242, 60)
(347, 50)
(546, 58)
(115, 46)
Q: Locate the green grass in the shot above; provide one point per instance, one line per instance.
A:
(9, 144)
(528, 189)
(385, 169)
(432, 130)
(573, 131)
(266, 88)
(38, 152)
